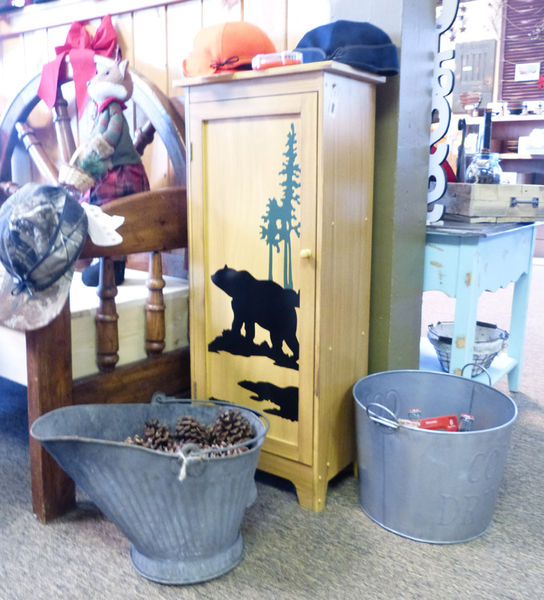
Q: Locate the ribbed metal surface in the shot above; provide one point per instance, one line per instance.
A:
(522, 19)
(181, 531)
(432, 486)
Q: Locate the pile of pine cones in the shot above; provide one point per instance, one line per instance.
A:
(228, 429)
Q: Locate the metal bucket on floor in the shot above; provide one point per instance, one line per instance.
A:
(431, 486)
(182, 514)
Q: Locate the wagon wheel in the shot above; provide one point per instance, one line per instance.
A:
(17, 135)
(52, 490)
(15, 131)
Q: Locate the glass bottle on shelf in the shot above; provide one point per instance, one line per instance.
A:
(485, 167)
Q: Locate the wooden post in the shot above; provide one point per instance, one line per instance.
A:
(49, 387)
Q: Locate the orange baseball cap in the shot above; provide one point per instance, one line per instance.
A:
(225, 48)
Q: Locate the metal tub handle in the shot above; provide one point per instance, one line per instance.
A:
(480, 367)
(380, 419)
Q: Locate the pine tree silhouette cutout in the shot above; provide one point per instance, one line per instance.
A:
(270, 233)
(280, 218)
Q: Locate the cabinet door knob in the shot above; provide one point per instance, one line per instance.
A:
(305, 253)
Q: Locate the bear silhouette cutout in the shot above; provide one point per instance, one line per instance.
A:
(285, 398)
(261, 302)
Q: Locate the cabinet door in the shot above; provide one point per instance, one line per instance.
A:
(252, 214)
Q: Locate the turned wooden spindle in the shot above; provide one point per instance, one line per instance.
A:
(63, 129)
(155, 329)
(36, 152)
(107, 334)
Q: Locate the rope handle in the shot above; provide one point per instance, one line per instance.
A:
(187, 453)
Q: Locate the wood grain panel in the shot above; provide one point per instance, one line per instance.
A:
(34, 44)
(39, 16)
(13, 57)
(218, 11)
(150, 61)
(271, 17)
(301, 18)
(183, 21)
(123, 25)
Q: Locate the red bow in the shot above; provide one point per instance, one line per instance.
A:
(540, 83)
(80, 47)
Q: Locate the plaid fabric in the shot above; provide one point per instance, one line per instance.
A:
(120, 181)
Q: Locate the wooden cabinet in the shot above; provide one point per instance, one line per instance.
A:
(280, 178)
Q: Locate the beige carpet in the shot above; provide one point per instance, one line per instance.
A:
(292, 553)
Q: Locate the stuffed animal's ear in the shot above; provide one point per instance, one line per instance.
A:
(123, 66)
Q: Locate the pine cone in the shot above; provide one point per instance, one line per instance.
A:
(230, 427)
(150, 427)
(155, 436)
(134, 441)
(219, 450)
(158, 437)
(191, 431)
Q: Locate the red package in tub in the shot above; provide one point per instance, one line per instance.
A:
(444, 422)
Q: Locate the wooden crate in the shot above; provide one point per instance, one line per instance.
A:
(494, 203)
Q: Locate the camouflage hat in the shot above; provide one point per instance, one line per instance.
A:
(42, 232)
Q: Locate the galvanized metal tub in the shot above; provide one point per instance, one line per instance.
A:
(182, 531)
(431, 486)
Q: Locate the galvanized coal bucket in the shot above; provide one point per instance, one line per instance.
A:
(182, 512)
(431, 486)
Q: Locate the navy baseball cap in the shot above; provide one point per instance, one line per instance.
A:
(358, 44)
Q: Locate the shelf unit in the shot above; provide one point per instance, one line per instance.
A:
(510, 127)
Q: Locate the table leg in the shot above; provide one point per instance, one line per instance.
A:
(518, 319)
(466, 310)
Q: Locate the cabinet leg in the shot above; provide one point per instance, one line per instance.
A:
(310, 483)
(312, 496)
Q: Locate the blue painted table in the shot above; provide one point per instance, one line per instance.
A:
(463, 260)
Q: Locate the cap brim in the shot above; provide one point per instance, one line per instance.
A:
(312, 54)
(26, 313)
(197, 66)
